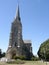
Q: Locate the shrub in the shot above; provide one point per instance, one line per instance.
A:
(16, 62)
(35, 58)
(22, 57)
(19, 57)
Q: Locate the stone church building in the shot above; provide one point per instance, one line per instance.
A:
(18, 46)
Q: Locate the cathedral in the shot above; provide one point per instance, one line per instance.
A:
(17, 46)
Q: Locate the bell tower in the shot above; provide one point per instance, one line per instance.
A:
(15, 41)
(16, 30)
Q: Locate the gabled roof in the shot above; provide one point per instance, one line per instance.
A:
(27, 41)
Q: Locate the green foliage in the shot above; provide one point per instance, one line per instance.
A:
(34, 58)
(43, 51)
(19, 57)
(22, 57)
(16, 62)
(2, 54)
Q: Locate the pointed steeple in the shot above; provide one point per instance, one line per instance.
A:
(17, 13)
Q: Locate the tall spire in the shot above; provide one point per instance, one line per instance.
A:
(17, 13)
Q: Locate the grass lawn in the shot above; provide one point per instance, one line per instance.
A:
(27, 63)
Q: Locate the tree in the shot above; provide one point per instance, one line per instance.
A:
(0, 53)
(3, 54)
(43, 51)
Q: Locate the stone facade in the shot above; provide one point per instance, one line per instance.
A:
(17, 46)
(28, 45)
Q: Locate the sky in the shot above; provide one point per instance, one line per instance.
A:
(34, 18)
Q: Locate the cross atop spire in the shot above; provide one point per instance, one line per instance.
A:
(17, 13)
